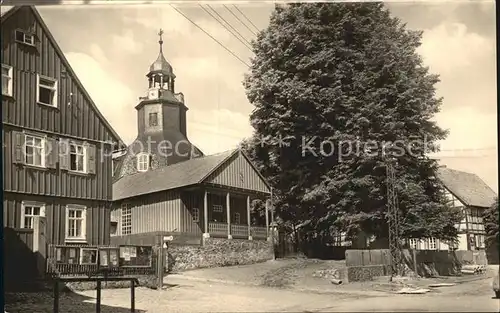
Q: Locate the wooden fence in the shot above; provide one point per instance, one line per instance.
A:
(423, 262)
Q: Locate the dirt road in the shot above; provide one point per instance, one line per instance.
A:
(195, 296)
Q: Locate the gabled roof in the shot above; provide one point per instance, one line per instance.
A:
(183, 174)
(467, 187)
(66, 64)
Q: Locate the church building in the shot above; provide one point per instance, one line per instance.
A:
(165, 185)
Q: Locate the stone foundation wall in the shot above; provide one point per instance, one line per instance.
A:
(365, 273)
(213, 253)
(218, 252)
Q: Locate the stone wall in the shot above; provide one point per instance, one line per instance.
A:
(218, 252)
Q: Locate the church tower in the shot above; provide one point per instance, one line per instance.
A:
(161, 123)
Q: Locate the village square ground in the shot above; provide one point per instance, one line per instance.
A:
(284, 289)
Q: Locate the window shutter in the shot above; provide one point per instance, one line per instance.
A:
(51, 152)
(91, 162)
(37, 88)
(64, 154)
(56, 94)
(18, 138)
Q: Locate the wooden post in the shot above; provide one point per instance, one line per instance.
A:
(228, 215)
(249, 222)
(205, 213)
(159, 264)
(55, 309)
(415, 267)
(132, 295)
(98, 298)
(267, 219)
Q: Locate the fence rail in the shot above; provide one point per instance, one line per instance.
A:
(217, 228)
(239, 230)
(258, 232)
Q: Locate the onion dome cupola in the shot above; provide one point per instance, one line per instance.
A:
(161, 74)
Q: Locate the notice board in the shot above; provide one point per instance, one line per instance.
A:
(136, 256)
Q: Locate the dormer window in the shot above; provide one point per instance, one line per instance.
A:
(142, 162)
(25, 38)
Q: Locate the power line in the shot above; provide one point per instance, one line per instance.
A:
(243, 14)
(222, 24)
(213, 38)
(242, 23)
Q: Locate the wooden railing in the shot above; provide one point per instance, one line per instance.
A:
(258, 232)
(217, 228)
(239, 230)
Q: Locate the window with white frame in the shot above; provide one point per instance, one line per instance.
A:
(7, 78)
(196, 215)
(76, 223)
(217, 208)
(25, 38)
(237, 218)
(77, 159)
(29, 211)
(142, 162)
(46, 91)
(413, 243)
(432, 244)
(126, 219)
(34, 150)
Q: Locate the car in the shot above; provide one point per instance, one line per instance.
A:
(496, 284)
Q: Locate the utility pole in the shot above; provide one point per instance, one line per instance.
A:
(393, 219)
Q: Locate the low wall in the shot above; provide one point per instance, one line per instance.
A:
(188, 251)
(367, 264)
(217, 252)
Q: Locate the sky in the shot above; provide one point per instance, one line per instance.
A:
(110, 47)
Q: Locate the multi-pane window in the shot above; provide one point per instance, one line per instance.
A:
(75, 223)
(413, 243)
(153, 119)
(237, 218)
(22, 37)
(196, 215)
(29, 211)
(126, 219)
(7, 80)
(217, 208)
(142, 162)
(46, 91)
(34, 150)
(77, 158)
(432, 244)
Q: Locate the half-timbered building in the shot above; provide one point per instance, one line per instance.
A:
(57, 146)
(470, 194)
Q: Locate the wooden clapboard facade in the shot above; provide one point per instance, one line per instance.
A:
(57, 146)
(209, 196)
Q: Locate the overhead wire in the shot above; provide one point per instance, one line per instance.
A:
(245, 42)
(243, 14)
(209, 35)
(239, 20)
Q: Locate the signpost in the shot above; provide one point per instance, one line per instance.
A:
(162, 259)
